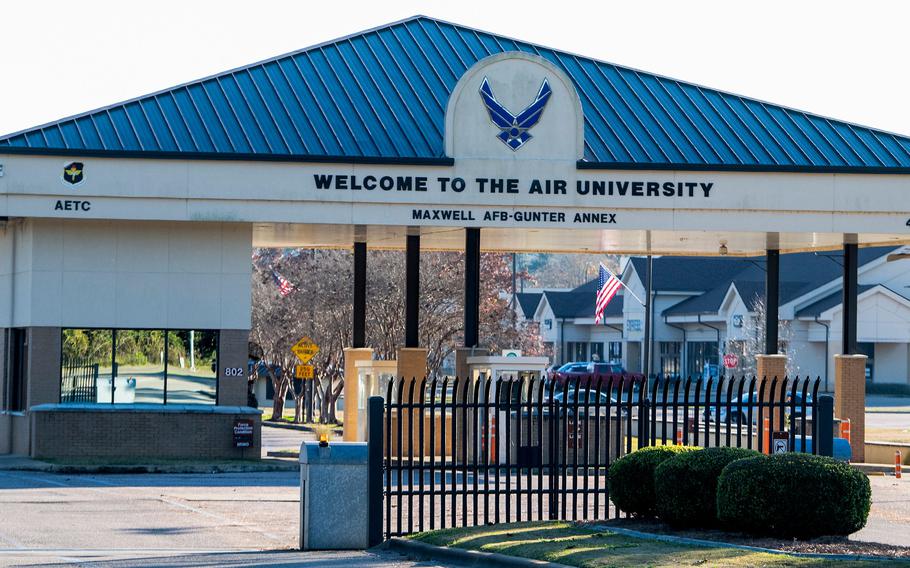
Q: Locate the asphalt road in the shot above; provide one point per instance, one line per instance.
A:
(139, 520)
(276, 439)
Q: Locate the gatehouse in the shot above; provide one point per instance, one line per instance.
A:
(142, 216)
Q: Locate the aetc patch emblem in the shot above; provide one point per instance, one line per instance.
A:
(74, 173)
(514, 128)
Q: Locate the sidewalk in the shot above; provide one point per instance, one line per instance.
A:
(24, 463)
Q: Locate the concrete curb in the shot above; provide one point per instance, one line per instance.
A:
(253, 467)
(301, 427)
(874, 468)
(718, 544)
(465, 557)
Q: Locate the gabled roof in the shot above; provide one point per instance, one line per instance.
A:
(381, 95)
(579, 302)
(528, 301)
(800, 273)
(829, 301)
(690, 273)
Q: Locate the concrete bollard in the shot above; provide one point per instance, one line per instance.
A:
(333, 496)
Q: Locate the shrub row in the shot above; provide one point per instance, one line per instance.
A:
(789, 495)
(793, 495)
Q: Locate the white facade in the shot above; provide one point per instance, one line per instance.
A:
(125, 274)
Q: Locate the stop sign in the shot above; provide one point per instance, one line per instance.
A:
(730, 360)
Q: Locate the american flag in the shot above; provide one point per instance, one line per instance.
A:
(284, 285)
(607, 286)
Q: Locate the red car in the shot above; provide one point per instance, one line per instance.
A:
(595, 370)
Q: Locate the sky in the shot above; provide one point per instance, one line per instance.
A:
(846, 60)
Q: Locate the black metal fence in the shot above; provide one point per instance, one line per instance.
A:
(464, 453)
(78, 381)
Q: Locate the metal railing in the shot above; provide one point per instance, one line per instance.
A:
(464, 453)
(78, 381)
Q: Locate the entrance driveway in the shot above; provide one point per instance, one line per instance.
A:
(158, 519)
(221, 520)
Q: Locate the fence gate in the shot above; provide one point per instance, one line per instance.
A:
(461, 453)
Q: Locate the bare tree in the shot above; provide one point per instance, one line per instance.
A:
(320, 307)
(754, 343)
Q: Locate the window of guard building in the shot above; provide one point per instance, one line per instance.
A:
(87, 365)
(192, 367)
(150, 366)
(140, 366)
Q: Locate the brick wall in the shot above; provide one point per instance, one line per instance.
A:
(3, 373)
(81, 431)
(233, 352)
(43, 381)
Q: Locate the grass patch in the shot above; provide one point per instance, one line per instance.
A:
(567, 543)
(896, 435)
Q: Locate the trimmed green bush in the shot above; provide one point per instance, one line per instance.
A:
(631, 478)
(793, 495)
(685, 486)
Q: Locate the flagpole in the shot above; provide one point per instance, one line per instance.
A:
(649, 311)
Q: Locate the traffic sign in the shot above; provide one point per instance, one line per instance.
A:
(305, 349)
(780, 442)
(731, 361)
(303, 372)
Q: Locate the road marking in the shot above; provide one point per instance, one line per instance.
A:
(161, 498)
(219, 518)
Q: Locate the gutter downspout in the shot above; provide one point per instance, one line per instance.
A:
(827, 338)
(562, 338)
(717, 331)
(682, 356)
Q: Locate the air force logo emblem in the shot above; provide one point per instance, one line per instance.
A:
(514, 128)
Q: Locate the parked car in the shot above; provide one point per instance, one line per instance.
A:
(596, 369)
(569, 396)
(740, 416)
(571, 367)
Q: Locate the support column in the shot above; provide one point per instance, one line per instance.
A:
(851, 270)
(412, 292)
(772, 300)
(649, 311)
(850, 368)
(360, 296)
(472, 287)
(471, 329)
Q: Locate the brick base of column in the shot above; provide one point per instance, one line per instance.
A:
(770, 367)
(352, 390)
(850, 399)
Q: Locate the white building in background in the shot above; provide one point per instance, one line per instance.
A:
(706, 307)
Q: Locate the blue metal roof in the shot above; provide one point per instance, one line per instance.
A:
(381, 94)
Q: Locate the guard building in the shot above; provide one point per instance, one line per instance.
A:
(127, 231)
